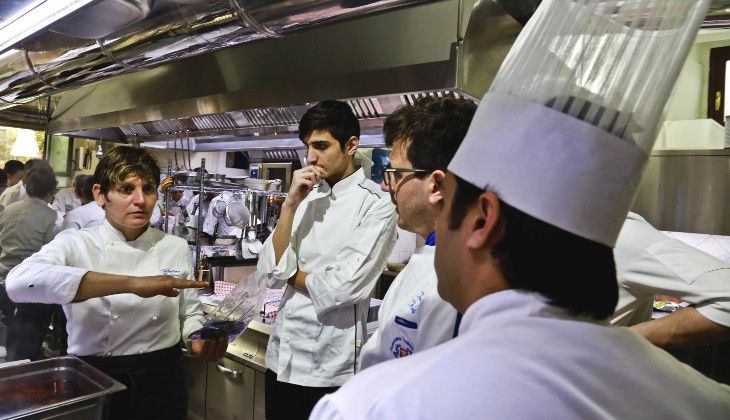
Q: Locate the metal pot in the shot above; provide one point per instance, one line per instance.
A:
(189, 177)
(216, 177)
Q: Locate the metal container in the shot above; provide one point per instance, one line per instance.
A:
(58, 388)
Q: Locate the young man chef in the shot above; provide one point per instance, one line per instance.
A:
(118, 285)
(423, 137)
(529, 210)
(335, 230)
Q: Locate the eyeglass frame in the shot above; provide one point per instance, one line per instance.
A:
(386, 169)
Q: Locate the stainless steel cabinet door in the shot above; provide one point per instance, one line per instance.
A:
(195, 371)
(230, 391)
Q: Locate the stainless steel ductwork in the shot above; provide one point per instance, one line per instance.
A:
(90, 45)
(260, 90)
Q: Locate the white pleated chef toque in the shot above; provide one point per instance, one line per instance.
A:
(565, 130)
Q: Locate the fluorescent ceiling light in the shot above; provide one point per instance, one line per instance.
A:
(34, 18)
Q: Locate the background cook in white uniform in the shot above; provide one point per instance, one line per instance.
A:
(648, 263)
(412, 316)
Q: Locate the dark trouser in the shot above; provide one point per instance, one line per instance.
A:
(286, 401)
(156, 386)
(27, 325)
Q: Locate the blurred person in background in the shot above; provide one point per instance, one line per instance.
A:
(25, 226)
(90, 213)
(16, 190)
(67, 199)
(12, 174)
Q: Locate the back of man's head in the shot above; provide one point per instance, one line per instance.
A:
(335, 117)
(30, 163)
(432, 129)
(40, 181)
(13, 166)
(85, 188)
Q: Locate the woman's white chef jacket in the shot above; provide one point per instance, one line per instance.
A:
(88, 215)
(341, 236)
(649, 262)
(412, 316)
(517, 357)
(119, 324)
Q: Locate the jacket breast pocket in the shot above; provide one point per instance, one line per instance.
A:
(686, 262)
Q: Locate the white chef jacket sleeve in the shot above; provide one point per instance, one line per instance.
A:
(670, 267)
(359, 263)
(273, 275)
(47, 276)
(191, 312)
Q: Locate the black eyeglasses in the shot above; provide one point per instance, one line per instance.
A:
(389, 174)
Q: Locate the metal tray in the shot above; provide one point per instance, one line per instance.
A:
(62, 387)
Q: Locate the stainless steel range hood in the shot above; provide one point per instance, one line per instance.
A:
(260, 90)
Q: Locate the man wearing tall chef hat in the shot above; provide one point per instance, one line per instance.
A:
(530, 209)
(335, 231)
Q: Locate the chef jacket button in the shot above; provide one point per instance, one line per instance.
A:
(115, 317)
(302, 260)
(154, 317)
(288, 312)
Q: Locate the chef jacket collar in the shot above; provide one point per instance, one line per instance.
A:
(513, 304)
(342, 187)
(109, 232)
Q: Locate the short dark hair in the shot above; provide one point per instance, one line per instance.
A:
(12, 167)
(40, 181)
(30, 163)
(335, 117)
(85, 189)
(122, 162)
(432, 129)
(78, 183)
(572, 272)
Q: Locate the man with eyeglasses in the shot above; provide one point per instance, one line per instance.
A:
(423, 137)
(335, 231)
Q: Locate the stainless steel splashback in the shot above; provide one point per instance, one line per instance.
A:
(687, 191)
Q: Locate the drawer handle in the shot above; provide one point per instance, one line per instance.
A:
(233, 374)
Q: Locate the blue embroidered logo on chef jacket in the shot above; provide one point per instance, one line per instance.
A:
(401, 347)
(416, 302)
(171, 272)
(406, 323)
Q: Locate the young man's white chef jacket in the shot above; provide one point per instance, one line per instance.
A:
(88, 215)
(115, 325)
(224, 229)
(13, 194)
(649, 262)
(517, 357)
(65, 201)
(412, 317)
(341, 237)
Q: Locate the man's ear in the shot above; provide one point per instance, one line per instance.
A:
(352, 144)
(98, 195)
(484, 222)
(433, 184)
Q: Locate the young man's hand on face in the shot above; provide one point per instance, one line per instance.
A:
(302, 184)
